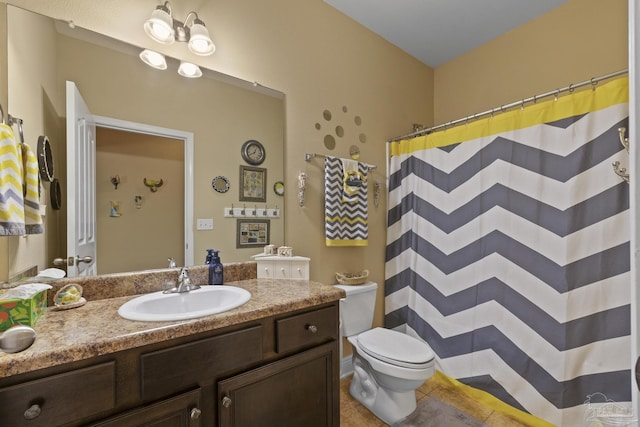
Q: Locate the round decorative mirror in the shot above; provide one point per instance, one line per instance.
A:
(45, 159)
(220, 184)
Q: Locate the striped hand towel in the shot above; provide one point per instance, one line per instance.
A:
(32, 217)
(11, 199)
(346, 212)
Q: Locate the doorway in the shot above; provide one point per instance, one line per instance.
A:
(140, 226)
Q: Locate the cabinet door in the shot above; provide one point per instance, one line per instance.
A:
(180, 411)
(300, 390)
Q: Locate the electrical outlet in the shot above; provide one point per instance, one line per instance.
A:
(205, 224)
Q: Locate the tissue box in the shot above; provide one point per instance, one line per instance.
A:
(15, 311)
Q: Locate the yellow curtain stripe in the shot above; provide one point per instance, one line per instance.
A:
(490, 401)
(568, 105)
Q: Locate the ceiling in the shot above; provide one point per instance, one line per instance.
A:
(437, 31)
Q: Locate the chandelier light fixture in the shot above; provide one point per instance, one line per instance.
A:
(165, 29)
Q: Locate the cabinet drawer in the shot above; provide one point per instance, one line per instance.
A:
(299, 270)
(307, 329)
(60, 399)
(178, 368)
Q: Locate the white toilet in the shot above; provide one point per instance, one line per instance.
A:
(388, 365)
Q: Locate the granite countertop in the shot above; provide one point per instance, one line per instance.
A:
(96, 329)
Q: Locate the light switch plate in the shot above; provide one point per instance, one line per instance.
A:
(205, 224)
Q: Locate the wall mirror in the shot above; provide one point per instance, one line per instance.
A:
(222, 112)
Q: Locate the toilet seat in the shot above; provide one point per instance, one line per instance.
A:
(396, 348)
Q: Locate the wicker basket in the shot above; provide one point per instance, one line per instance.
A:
(357, 278)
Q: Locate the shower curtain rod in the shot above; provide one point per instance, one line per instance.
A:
(594, 81)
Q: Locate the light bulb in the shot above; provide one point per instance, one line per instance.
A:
(200, 43)
(153, 59)
(187, 69)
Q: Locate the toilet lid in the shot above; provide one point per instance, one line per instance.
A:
(395, 347)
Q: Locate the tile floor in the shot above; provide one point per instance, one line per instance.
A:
(353, 414)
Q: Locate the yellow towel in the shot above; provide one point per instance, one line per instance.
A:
(11, 198)
(31, 183)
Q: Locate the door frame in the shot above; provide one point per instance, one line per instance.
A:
(187, 138)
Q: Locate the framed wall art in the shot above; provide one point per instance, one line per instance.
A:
(253, 184)
(252, 233)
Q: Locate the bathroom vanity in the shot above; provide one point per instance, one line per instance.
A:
(273, 361)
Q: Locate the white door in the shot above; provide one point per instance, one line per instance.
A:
(81, 198)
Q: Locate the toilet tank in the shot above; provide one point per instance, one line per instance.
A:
(356, 310)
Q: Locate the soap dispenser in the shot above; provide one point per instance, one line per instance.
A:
(217, 269)
(209, 261)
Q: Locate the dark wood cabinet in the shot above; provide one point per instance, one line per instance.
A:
(180, 411)
(277, 371)
(295, 391)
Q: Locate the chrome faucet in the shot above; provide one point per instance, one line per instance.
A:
(184, 283)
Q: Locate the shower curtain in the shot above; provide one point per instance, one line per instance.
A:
(508, 253)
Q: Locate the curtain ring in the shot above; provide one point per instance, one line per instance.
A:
(502, 109)
(571, 88)
(555, 96)
(593, 84)
(535, 99)
(522, 105)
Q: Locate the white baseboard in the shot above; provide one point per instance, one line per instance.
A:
(346, 366)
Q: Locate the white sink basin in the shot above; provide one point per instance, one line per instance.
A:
(205, 301)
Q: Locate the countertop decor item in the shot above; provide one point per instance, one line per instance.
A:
(23, 305)
(357, 278)
(285, 251)
(253, 152)
(69, 296)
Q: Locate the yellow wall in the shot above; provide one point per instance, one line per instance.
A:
(140, 238)
(573, 43)
(322, 60)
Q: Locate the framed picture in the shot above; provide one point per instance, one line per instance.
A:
(252, 233)
(253, 184)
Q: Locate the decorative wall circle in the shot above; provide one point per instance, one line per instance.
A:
(329, 142)
(55, 194)
(278, 188)
(220, 184)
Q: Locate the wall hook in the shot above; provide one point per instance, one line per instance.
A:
(153, 185)
(115, 180)
(622, 172)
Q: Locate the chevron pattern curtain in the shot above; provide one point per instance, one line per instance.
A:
(508, 252)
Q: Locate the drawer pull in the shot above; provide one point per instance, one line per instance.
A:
(195, 414)
(226, 401)
(32, 413)
(312, 328)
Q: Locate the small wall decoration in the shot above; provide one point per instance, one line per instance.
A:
(115, 212)
(253, 152)
(252, 233)
(253, 184)
(220, 184)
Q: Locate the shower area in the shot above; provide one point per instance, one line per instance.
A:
(509, 251)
